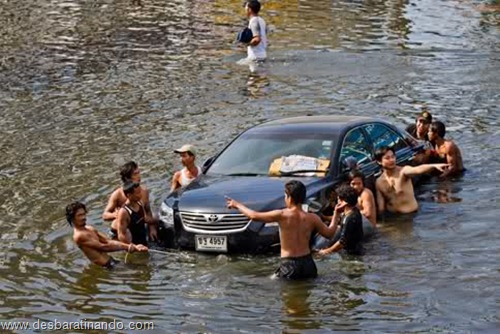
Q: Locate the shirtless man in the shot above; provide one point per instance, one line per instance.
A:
(394, 187)
(94, 244)
(129, 172)
(366, 200)
(445, 150)
(190, 171)
(296, 227)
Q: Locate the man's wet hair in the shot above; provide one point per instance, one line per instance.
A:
(296, 190)
(347, 194)
(127, 170)
(439, 128)
(71, 210)
(379, 153)
(254, 5)
(129, 187)
(357, 173)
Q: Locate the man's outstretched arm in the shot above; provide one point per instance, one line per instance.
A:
(266, 217)
(410, 171)
(106, 245)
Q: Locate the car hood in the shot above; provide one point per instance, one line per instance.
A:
(207, 194)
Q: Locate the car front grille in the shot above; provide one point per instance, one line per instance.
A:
(214, 223)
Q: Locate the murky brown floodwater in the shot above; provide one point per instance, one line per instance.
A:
(88, 85)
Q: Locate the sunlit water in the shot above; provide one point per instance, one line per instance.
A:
(88, 85)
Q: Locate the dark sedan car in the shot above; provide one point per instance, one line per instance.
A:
(253, 168)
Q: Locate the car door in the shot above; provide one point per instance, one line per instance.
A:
(382, 135)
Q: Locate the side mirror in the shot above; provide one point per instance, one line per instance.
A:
(207, 164)
(314, 206)
(349, 164)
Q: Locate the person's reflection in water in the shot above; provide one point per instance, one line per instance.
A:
(86, 288)
(397, 229)
(297, 311)
(93, 283)
(258, 80)
(442, 194)
(444, 191)
(353, 266)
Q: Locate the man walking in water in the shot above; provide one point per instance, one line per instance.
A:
(296, 227)
(394, 187)
(190, 171)
(256, 49)
(94, 244)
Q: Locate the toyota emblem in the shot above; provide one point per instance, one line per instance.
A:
(212, 218)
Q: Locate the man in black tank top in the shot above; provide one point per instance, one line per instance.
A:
(131, 217)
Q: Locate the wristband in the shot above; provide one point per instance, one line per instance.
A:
(129, 246)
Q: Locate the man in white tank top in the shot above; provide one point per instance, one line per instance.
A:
(190, 171)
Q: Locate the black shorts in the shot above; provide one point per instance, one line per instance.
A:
(111, 263)
(113, 234)
(302, 267)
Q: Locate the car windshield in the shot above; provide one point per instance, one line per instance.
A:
(254, 154)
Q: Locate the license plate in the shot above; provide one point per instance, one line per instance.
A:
(211, 243)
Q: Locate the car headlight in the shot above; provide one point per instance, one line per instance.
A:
(166, 214)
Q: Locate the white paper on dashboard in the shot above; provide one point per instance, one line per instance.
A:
(298, 162)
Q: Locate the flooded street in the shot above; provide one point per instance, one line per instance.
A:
(87, 85)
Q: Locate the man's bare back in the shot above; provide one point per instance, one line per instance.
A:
(449, 152)
(367, 206)
(296, 227)
(446, 150)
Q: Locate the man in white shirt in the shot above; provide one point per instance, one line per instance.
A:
(182, 178)
(257, 47)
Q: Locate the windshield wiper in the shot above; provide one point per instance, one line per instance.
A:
(246, 174)
(295, 172)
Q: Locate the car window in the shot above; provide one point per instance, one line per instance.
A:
(254, 154)
(382, 135)
(355, 149)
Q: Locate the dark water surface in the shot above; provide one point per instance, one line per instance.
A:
(88, 85)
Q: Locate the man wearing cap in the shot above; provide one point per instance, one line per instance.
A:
(420, 129)
(190, 171)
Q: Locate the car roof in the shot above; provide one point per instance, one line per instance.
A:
(327, 123)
